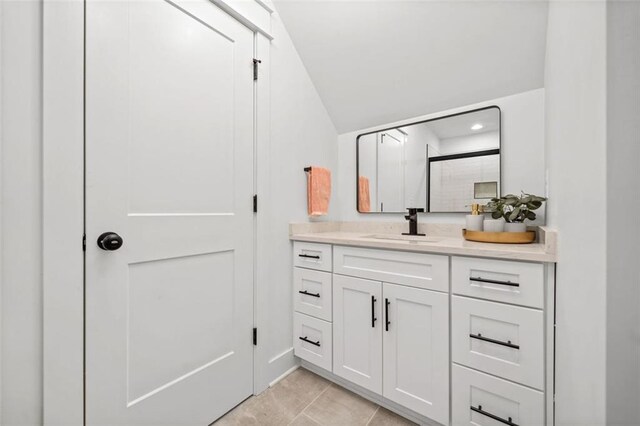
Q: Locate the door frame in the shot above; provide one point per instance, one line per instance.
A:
(63, 31)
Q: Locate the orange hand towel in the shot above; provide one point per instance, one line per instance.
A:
(318, 191)
(364, 199)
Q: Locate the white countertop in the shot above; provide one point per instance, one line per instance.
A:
(543, 251)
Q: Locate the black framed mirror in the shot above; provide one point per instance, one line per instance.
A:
(443, 164)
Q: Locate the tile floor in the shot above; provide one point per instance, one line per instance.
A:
(306, 399)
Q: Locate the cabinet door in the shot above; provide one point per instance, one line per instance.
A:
(416, 350)
(357, 324)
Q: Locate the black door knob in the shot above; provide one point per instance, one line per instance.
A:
(109, 241)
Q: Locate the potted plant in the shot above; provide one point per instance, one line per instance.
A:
(515, 210)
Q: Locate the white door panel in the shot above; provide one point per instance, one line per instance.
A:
(416, 350)
(357, 331)
(169, 146)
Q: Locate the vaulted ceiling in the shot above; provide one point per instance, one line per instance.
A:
(375, 62)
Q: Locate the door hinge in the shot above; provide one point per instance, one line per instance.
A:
(84, 242)
(255, 336)
(255, 203)
(255, 68)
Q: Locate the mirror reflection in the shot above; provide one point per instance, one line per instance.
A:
(441, 165)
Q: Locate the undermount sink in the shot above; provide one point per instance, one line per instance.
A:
(416, 238)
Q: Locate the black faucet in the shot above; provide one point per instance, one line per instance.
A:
(412, 217)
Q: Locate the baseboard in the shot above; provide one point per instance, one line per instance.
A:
(285, 374)
(373, 397)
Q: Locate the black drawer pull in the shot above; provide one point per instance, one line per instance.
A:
(373, 312)
(493, 416)
(386, 314)
(310, 341)
(483, 280)
(309, 294)
(497, 342)
(309, 256)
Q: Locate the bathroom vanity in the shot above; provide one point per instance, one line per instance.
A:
(436, 328)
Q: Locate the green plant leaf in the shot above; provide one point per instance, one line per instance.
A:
(514, 214)
(496, 214)
(531, 215)
(535, 204)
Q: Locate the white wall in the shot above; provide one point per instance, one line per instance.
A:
(575, 85)
(301, 135)
(469, 143)
(522, 155)
(623, 230)
(21, 192)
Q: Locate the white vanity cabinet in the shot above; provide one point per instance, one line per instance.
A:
(312, 301)
(457, 340)
(391, 339)
(498, 342)
(416, 350)
(358, 325)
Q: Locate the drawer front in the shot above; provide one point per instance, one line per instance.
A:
(482, 400)
(504, 340)
(312, 293)
(412, 269)
(312, 256)
(312, 340)
(500, 280)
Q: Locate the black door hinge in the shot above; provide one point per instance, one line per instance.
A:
(255, 203)
(255, 68)
(255, 336)
(84, 242)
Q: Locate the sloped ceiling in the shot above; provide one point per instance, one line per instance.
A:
(374, 62)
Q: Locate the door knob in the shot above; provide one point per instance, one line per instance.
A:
(109, 241)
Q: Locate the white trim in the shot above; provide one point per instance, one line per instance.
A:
(1, 198)
(263, 131)
(63, 221)
(253, 21)
(285, 374)
(266, 6)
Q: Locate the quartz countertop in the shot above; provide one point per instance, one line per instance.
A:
(443, 242)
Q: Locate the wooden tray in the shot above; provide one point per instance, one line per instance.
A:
(526, 237)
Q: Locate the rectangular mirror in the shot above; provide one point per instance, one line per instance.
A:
(441, 165)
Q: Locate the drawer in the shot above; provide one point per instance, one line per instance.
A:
(482, 400)
(312, 293)
(312, 255)
(413, 269)
(504, 340)
(519, 283)
(312, 340)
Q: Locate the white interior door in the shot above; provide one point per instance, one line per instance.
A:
(357, 331)
(169, 164)
(391, 172)
(416, 350)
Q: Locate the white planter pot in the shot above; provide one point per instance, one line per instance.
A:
(494, 225)
(515, 227)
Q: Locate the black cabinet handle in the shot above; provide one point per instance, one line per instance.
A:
(493, 416)
(310, 341)
(386, 314)
(484, 280)
(497, 342)
(373, 312)
(309, 256)
(309, 294)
